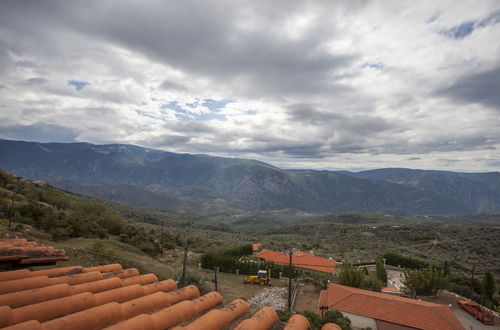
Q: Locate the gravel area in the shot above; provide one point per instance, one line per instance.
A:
(274, 297)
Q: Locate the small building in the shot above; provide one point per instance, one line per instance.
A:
(256, 247)
(300, 259)
(386, 312)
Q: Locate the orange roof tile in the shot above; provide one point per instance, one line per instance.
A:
(297, 322)
(256, 246)
(19, 252)
(380, 306)
(264, 318)
(299, 259)
(107, 296)
(111, 297)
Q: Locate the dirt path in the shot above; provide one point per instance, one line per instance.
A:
(307, 298)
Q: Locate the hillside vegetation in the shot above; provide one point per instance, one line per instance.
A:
(63, 216)
(94, 231)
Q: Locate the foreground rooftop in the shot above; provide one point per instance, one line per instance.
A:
(110, 297)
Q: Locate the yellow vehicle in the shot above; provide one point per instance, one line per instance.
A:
(263, 278)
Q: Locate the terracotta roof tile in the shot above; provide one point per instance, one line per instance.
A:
(264, 318)
(399, 310)
(256, 246)
(297, 322)
(108, 296)
(299, 259)
(19, 251)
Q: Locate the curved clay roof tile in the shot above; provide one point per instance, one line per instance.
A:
(140, 279)
(93, 318)
(331, 326)
(219, 318)
(54, 308)
(297, 322)
(263, 319)
(104, 268)
(77, 279)
(33, 296)
(97, 286)
(24, 284)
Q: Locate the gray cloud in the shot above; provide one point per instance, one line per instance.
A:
(359, 124)
(319, 81)
(168, 84)
(39, 133)
(203, 38)
(35, 81)
(482, 87)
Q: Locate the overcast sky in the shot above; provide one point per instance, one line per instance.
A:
(299, 84)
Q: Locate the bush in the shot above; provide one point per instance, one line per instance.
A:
(284, 315)
(396, 259)
(193, 278)
(59, 234)
(334, 316)
(314, 319)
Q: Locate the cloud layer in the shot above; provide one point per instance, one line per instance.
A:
(353, 84)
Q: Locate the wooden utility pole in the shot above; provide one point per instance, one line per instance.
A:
(216, 269)
(290, 282)
(184, 267)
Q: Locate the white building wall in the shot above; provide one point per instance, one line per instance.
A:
(359, 322)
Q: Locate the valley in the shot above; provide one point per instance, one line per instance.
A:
(354, 237)
(152, 240)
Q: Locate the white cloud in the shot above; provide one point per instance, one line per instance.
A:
(309, 84)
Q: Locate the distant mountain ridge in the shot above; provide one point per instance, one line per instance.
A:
(479, 191)
(201, 184)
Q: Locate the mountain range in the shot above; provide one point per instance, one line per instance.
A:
(216, 186)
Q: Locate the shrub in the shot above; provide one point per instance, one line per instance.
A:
(396, 259)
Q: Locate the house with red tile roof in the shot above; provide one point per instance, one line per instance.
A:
(386, 312)
(256, 246)
(300, 259)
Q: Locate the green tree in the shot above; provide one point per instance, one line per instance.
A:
(413, 280)
(426, 281)
(381, 271)
(350, 276)
(489, 287)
